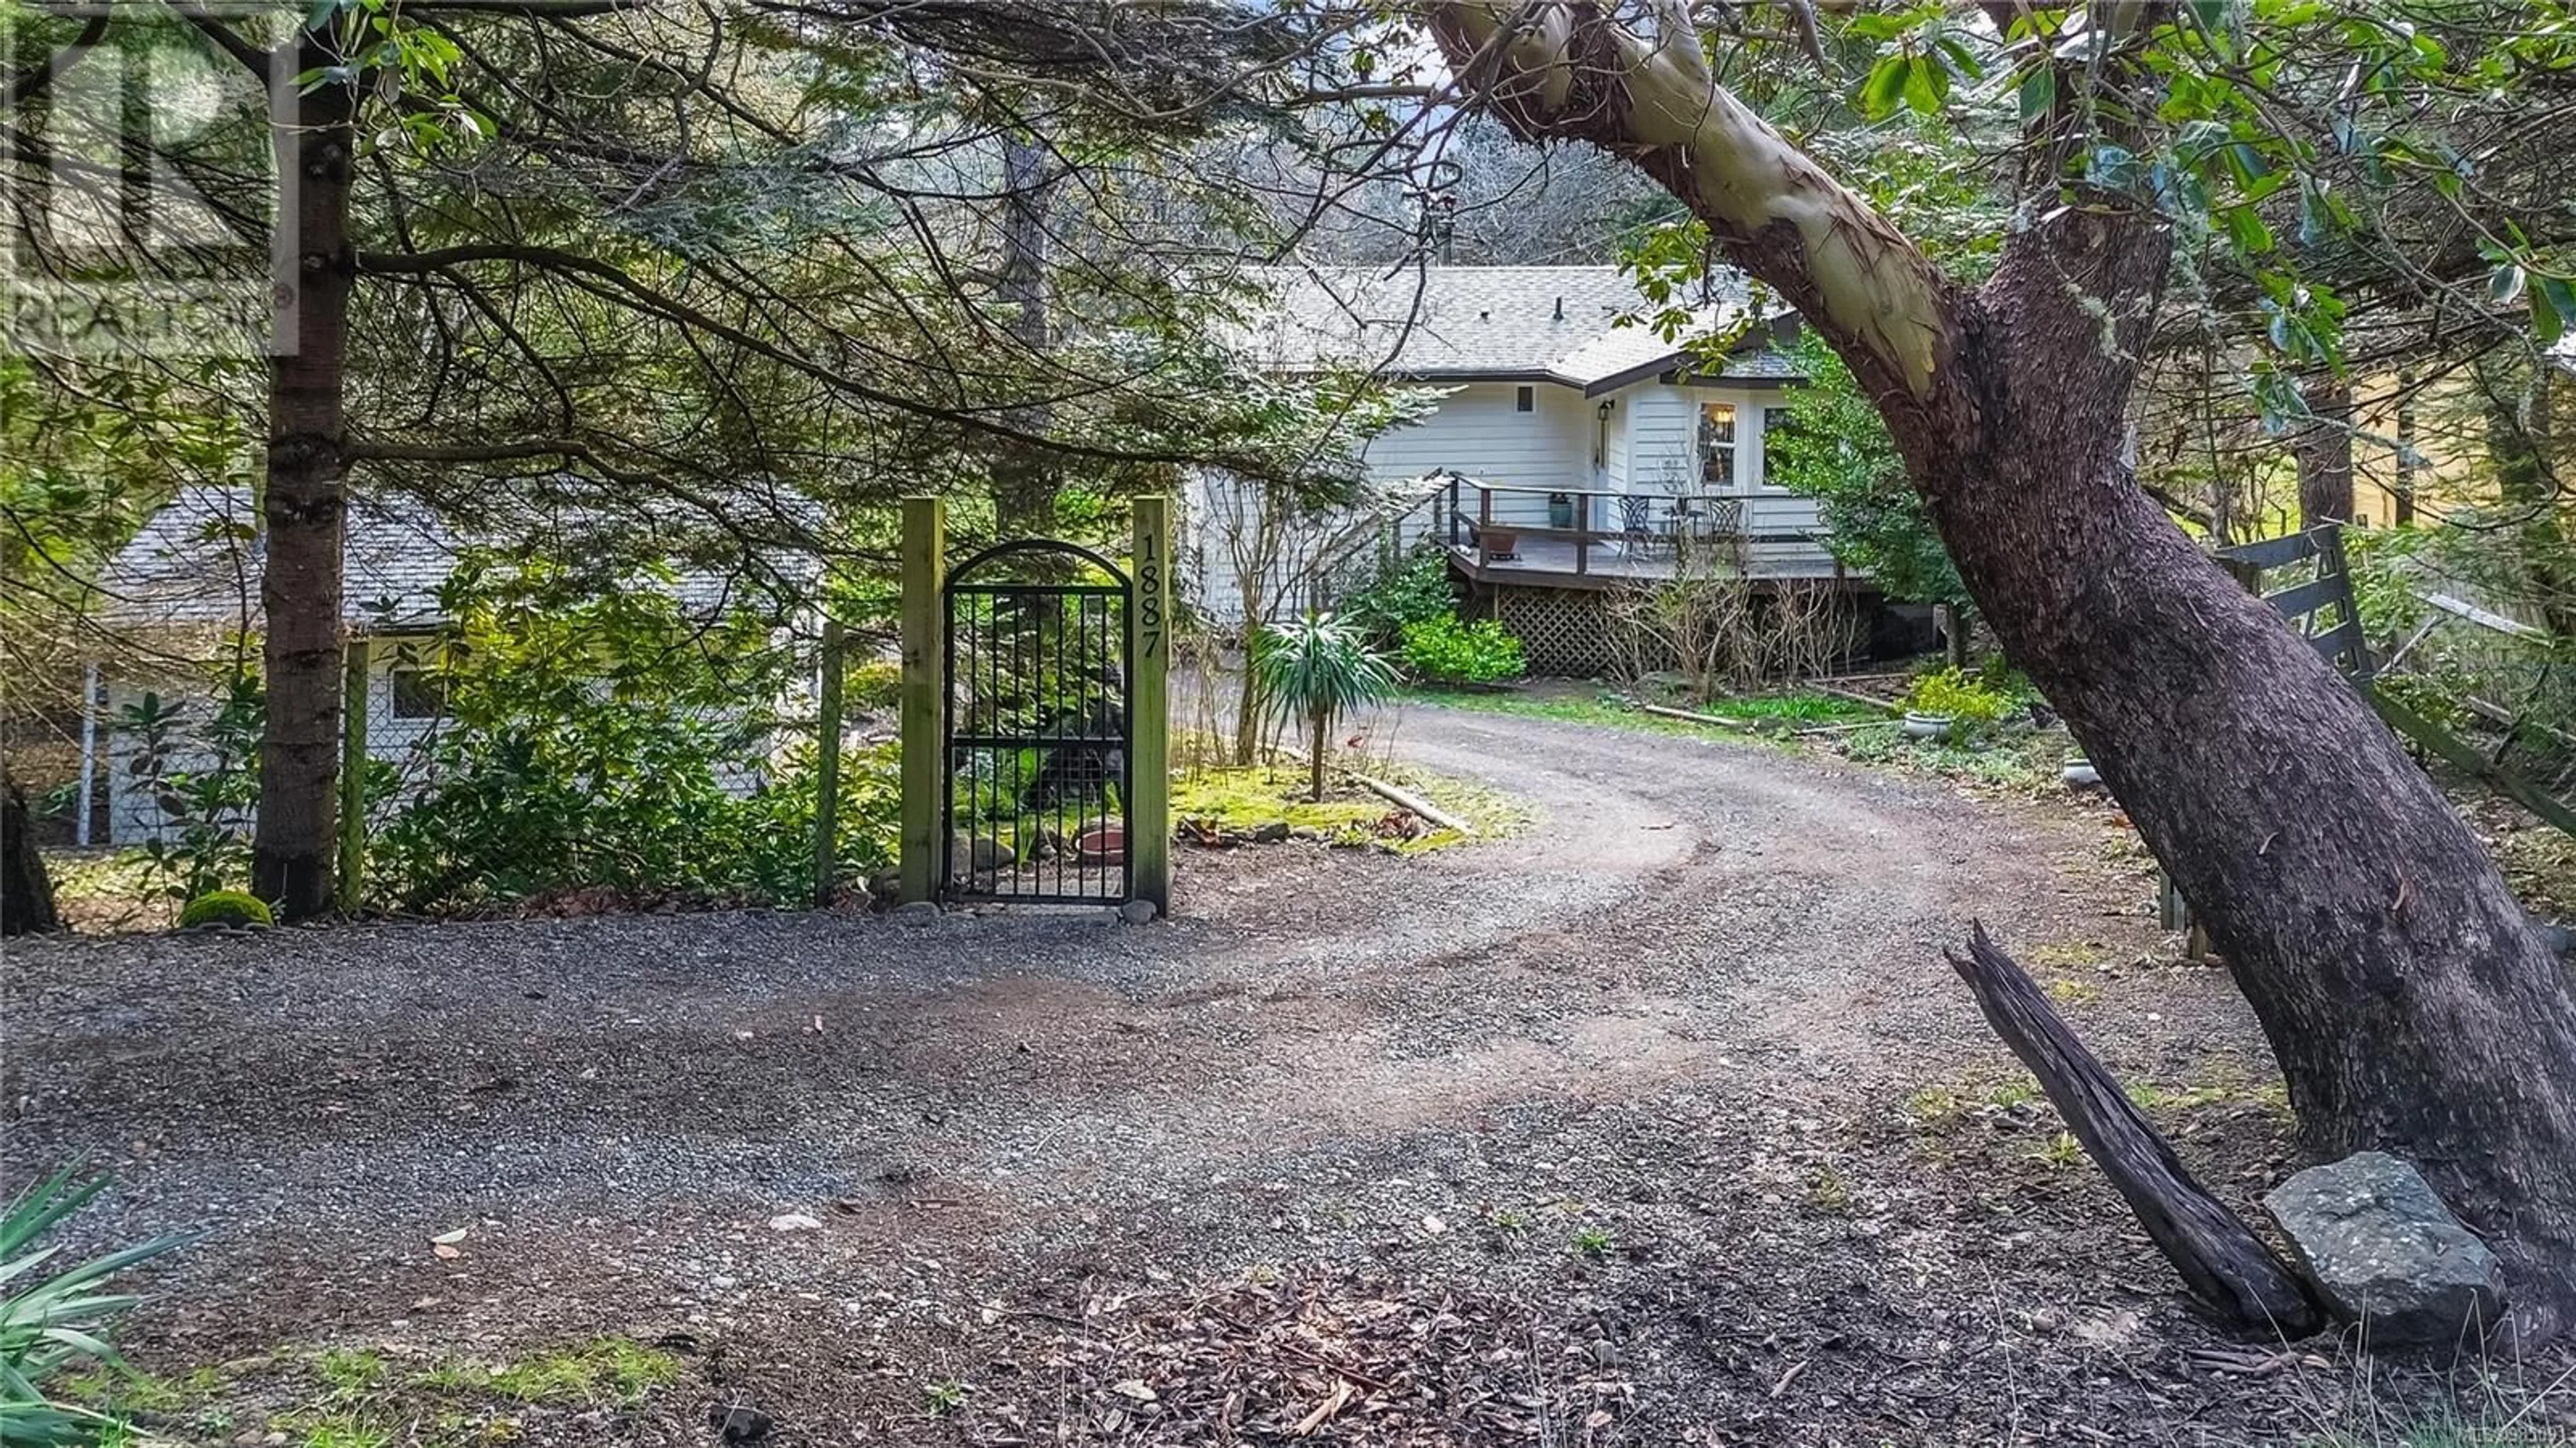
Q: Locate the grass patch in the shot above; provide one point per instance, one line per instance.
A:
(1606, 710)
(1795, 707)
(369, 1397)
(2069, 992)
(2023, 760)
(607, 1371)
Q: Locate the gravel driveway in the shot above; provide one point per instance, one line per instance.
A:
(1650, 1078)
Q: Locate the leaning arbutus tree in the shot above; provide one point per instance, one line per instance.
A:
(2411, 1005)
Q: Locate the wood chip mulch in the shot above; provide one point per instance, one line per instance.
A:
(1320, 1359)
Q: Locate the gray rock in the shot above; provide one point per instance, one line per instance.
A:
(885, 887)
(918, 912)
(972, 854)
(1270, 832)
(2387, 1254)
(1137, 912)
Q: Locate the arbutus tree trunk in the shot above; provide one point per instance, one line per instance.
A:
(2411, 1006)
(304, 506)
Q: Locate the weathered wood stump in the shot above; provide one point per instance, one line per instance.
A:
(26, 895)
(2228, 1269)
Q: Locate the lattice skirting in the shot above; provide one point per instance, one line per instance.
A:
(1574, 633)
(1564, 631)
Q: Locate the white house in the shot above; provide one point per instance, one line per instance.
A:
(1578, 439)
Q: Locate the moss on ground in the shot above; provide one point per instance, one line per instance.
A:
(372, 1397)
(1242, 799)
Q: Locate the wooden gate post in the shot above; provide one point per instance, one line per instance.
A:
(827, 768)
(353, 776)
(924, 688)
(1149, 721)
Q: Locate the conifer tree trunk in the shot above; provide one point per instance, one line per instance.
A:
(304, 506)
(2325, 455)
(1024, 480)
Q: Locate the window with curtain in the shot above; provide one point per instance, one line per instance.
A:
(1717, 445)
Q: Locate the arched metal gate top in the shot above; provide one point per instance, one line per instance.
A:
(1039, 727)
(1035, 547)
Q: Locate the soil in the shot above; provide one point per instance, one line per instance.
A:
(1661, 1121)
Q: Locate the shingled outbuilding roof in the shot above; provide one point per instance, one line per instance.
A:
(198, 562)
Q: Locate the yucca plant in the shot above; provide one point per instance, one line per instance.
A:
(49, 1322)
(1318, 670)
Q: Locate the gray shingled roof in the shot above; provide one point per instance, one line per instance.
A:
(198, 562)
(1551, 323)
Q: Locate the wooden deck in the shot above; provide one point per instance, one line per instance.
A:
(1554, 563)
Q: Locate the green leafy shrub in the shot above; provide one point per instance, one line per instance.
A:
(202, 778)
(872, 686)
(1837, 451)
(1416, 589)
(1449, 651)
(52, 1322)
(1965, 697)
(608, 741)
(225, 907)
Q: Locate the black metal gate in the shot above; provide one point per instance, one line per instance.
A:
(1037, 727)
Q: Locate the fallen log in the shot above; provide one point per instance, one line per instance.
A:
(1693, 716)
(2228, 1269)
(1407, 799)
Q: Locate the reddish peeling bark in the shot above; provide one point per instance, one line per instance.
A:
(2411, 1006)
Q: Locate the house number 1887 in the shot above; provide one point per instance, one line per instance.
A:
(1149, 602)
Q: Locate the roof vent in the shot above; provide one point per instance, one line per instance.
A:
(1560, 309)
(1484, 314)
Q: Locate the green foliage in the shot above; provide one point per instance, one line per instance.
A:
(1445, 650)
(204, 782)
(1320, 669)
(52, 1320)
(1963, 696)
(1416, 589)
(1796, 708)
(606, 740)
(872, 686)
(1838, 452)
(1315, 671)
(225, 907)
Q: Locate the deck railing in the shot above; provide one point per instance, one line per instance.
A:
(1471, 522)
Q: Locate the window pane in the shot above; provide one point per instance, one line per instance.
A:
(419, 694)
(1717, 444)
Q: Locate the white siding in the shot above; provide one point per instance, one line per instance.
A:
(1650, 445)
(1480, 431)
(1664, 456)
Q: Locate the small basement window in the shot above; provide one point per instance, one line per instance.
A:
(419, 694)
(1525, 400)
